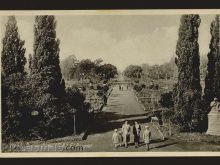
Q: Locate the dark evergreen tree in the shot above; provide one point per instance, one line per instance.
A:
(166, 100)
(48, 87)
(13, 53)
(187, 90)
(212, 80)
(13, 80)
(45, 60)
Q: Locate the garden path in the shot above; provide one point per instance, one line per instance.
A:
(121, 106)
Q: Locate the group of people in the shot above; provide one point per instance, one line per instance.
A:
(123, 136)
(121, 87)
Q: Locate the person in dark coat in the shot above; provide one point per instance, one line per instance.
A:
(136, 133)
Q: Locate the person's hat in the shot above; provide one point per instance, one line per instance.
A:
(146, 126)
(215, 99)
(115, 130)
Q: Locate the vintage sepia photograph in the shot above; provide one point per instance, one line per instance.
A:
(110, 82)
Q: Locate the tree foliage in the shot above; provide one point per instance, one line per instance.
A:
(164, 71)
(166, 100)
(106, 71)
(69, 67)
(45, 60)
(212, 80)
(14, 107)
(203, 66)
(187, 90)
(13, 59)
(37, 105)
(133, 71)
(47, 85)
(87, 69)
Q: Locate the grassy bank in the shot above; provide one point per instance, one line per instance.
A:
(197, 137)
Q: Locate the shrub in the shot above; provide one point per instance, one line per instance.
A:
(138, 88)
(99, 87)
(75, 97)
(166, 100)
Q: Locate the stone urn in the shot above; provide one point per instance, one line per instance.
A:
(214, 119)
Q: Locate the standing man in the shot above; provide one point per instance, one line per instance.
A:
(125, 132)
(147, 137)
(136, 133)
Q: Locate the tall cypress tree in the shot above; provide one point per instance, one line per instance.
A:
(212, 80)
(187, 91)
(45, 60)
(13, 79)
(47, 84)
(13, 62)
(13, 53)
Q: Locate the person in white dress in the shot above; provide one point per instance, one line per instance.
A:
(125, 133)
(116, 138)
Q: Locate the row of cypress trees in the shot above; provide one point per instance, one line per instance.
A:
(33, 104)
(190, 107)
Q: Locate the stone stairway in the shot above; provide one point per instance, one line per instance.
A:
(156, 134)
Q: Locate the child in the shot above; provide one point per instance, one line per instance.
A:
(120, 138)
(116, 138)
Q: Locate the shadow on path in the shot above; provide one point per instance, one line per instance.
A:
(165, 145)
(108, 121)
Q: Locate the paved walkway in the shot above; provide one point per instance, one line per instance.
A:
(121, 106)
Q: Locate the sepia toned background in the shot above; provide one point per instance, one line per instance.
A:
(117, 39)
(120, 40)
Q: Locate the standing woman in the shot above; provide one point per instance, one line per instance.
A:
(137, 133)
(147, 137)
(125, 132)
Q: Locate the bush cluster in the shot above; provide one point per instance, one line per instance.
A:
(139, 87)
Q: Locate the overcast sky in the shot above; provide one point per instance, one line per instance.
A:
(118, 39)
